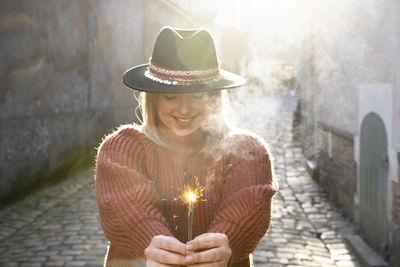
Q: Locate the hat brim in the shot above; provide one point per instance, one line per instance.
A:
(134, 78)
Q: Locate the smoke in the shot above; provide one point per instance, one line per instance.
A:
(255, 109)
(342, 49)
(333, 47)
(247, 110)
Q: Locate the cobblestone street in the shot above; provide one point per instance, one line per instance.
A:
(306, 229)
(59, 226)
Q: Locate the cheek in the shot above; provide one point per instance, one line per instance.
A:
(163, 108)
(160, 111)
(207, 110)
(163, 115)
(202, 108)
(204, 115)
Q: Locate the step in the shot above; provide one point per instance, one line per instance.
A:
(366, 255)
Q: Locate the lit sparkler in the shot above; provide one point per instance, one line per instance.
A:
(191, 193)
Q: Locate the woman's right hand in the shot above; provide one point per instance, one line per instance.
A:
(165, 251)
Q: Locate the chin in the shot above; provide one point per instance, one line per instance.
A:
(183, 133)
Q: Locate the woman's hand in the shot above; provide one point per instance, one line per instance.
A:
(209, 249)
(165, 251)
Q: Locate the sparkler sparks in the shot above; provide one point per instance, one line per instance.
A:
(191, 196)
(191, 193)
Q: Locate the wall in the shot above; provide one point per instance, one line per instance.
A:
(337, 167)
(61, 64)
(354, 48)
(357, 44)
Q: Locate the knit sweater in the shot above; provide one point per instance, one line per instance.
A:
(139, 183)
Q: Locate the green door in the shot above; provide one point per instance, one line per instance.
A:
(373, 182)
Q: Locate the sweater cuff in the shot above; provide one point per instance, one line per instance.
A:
(241, 242)
(135, 240)
(244, 220)
(146, 231)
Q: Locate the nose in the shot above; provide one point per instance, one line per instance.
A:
(185, 104)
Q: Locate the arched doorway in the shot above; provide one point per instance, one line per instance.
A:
(373, 182)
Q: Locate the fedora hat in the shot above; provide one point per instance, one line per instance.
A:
(183, 61)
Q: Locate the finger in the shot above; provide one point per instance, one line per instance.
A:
(209, 264)
(207, 256)
(165, 257)
(206, 241)
(151, 263)
(169, 243)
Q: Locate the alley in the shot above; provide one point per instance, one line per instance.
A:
(59, 225)
(306, 229)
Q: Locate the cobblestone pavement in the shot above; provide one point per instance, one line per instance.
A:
(59, 226)
(306, 229)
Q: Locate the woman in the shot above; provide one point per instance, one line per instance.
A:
(142, 171)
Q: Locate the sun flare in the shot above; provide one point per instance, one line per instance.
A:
(278, 22)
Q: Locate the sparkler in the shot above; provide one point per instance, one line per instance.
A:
(191, 193)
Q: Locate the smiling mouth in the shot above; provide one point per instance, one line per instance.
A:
(185, 120)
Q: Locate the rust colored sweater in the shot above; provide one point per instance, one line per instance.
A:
(138, 184)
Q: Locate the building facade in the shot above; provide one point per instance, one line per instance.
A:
(349, 115)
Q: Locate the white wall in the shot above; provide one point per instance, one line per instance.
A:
(354, 42)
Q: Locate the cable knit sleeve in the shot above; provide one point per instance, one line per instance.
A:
(127, 200)
(245, 211)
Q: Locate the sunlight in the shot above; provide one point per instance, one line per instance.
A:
(280, 22)
(271, 33)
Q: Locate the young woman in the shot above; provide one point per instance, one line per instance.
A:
(143, 171)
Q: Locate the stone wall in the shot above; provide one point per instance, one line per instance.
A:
(396, 225)
(61, 64)
(337, 168)
(333, 152)
(343, 54)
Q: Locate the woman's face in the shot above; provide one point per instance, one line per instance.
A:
(183, 114)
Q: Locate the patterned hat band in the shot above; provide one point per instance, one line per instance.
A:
(181, 77)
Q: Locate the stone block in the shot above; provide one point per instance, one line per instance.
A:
(109, 60)
(338, 170)
(62, 92)
(25, 151)
(49, 75)
(364, 253)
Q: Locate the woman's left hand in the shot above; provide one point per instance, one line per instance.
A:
(208, 250)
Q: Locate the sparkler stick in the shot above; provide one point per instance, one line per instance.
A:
(190, 215)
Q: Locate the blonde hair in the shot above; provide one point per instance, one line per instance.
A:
(215, 126)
